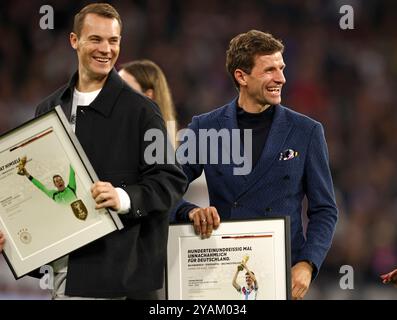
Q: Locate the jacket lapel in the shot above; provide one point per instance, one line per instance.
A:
(228, 121)
(107, 98)
(67, 108)
(66, 96)
(278, 134)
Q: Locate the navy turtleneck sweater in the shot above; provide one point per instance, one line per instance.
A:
(260, 124)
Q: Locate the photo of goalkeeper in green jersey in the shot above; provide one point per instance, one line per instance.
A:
(63, 194)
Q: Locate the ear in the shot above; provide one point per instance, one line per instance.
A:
(149, 93)
(73, 40)
(240, 77)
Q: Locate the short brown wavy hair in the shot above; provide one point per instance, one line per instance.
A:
(244, 47)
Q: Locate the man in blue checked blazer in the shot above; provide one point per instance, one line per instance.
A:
(289, 159)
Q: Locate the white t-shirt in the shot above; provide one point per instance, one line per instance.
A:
(81, 99)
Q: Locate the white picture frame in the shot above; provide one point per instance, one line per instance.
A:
(203, 269)
(38, 227)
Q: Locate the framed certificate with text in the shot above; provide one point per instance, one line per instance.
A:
(46, 208)
(248, 260)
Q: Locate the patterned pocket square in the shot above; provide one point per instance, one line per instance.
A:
(288, 154)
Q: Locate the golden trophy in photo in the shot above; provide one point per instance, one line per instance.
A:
(21, 166)
(243, 262)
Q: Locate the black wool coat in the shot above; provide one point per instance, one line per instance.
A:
(111, 130)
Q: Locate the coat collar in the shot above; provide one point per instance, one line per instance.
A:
(105, 100)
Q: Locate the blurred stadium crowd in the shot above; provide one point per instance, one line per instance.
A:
(344, 78)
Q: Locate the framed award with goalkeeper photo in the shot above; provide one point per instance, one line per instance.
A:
(247, 260)
(46, 208)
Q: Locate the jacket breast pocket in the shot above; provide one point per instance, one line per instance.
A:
(286, 169)
(286, 164)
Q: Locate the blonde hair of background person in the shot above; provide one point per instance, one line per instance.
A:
(146, 77)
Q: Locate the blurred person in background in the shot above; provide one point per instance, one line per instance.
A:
(289, 160)
(146, 77)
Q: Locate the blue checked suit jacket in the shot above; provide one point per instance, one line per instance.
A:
(274, 187)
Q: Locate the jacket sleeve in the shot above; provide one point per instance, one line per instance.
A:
(191, 166)
(72, 180)
(162, 182)
(39, 185)
(322, 211)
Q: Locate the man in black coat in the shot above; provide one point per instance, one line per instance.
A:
(110, 121)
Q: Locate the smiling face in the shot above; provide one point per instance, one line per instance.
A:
(248, 280)
(264, 84)
(97, 47)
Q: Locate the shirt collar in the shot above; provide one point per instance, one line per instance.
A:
(105, 100)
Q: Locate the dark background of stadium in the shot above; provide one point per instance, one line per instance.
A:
(343, 78)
